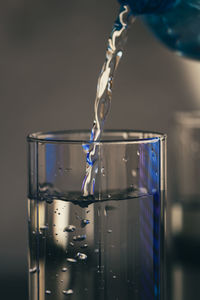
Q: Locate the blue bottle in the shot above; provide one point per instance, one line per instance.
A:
(176, 23)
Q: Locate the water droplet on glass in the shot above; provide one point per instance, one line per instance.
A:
(33, 270)
(33, 232)
(64, 269)
(71, 244)
(56, 275)
(84, 222)
(114, 276)
(109, 231)
(81, 256)
(68, 292)
(72, 260)
(109, 196)
(96, 250)
(87, 211)
(54, 225)
(69, 228)
(61, 280)
(125, 159)
(79, 238)
(48, 292)
(138, 153)
(84, 246)
(56, 233)
(59, 213)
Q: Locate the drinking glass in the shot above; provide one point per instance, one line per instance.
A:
(110, 244)
(186, 187)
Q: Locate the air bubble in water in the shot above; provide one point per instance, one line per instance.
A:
(85, 222)
(79, 238)
(84, 246)
(103, 171)
(33, 270)
(114, 276)
(81, 256)
(69, 228)
(134, 173)
(72, 260)
(125, 159)
(48, 292)
(68, 292)
(44, 227)
(64, 269)
(49, 200)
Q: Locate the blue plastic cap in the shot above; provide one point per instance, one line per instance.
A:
(140, 7)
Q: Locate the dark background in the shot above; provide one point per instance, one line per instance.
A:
(51, 55)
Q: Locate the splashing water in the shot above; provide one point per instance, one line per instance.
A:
(114, 52)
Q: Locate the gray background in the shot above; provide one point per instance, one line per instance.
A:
(51, 55)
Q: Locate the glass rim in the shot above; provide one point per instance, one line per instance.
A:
(52, 137)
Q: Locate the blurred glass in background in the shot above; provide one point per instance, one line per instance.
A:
(185, 206)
